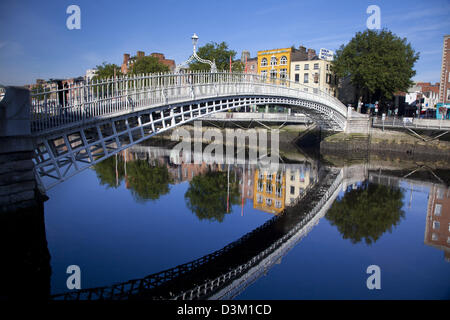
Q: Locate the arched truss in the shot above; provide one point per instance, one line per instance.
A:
(60, 155)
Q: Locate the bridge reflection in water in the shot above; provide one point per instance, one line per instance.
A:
(224, 273)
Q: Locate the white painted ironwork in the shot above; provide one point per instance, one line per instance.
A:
(194, 57)
(81, 125)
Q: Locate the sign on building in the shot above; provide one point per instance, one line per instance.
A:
(326, 54)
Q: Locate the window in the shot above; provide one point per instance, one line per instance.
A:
(434, 236)
(283, 61)
(440, 194)
(328, 67)
(306, 66)
(279, 177)
(305, 78)
(260, 187)
(316, 66)
(269, 177)
(297, 67)
(297, 77)
(283, 73)
(436, 225)
(259, 199)
(437, 209)
(264, 73)
(316, 77)
(292, 190)
(278, 204)
(264, 62)
(328, 78)
(273, 74)
(448, 240)
(269, 202)
(292, 177)
(269, 188)
(278, 192)
(273, 61)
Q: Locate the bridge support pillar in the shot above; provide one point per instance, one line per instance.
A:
(17, 179)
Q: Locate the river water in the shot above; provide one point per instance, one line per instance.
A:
(142, 212)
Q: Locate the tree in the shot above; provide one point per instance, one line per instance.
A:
(147, 182)
(107, 70)
(110, 172)
(378, 63)
(148, 64)
(213, 51)
(207, 195)
(367, 212)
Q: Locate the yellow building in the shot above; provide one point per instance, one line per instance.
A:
(269, 191)
(275, 63)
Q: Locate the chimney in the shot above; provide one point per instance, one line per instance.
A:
(311, 54)
(126, 57)
(140, 54)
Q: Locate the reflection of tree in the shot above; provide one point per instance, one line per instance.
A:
(207, 195)
(147, 182)
(107, 174)
(367, 212)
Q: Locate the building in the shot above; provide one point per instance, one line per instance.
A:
(437, 228)
(269, 191)
(298, 180)
(128, 61)
(313, 72)
(252, 65)
(275, 63)
(444, 94)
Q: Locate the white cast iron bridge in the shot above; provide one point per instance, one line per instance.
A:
(77, 126)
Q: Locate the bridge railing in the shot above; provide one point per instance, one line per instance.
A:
(69, 103)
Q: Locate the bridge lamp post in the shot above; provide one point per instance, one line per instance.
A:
(194, 56)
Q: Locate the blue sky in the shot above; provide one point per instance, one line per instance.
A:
(35, 43)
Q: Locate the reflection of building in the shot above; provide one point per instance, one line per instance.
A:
(297, 180)
(437, 229)
(269, 191)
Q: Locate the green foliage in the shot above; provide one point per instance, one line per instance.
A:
(213, 51)
(237, 66)
(106, 70)
(367, 212)
(147, 182)
(378, 62)
(207, 195)
(107, 174)
(148, 64)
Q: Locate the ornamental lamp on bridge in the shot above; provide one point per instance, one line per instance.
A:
(194, 56)
(194, 42)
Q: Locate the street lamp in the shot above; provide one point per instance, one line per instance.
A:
(194, 42)
(194, 56)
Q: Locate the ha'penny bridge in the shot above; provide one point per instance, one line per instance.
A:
(225, 273)
(73, 128)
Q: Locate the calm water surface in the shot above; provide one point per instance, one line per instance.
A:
(137, 214)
